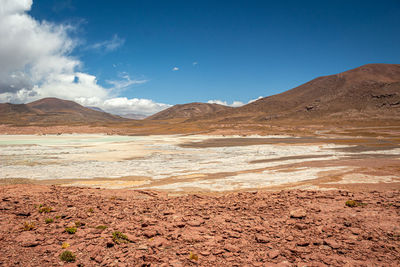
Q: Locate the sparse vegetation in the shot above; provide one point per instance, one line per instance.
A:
(79, 224)
(65, 245)
(119, 237)
(101, 227)
(28, 226)
(193, 256)
(67, 256)
(352, 203)
(49, 220)
(58, 217)
(90, 210)
(70, 230)
(44, 209)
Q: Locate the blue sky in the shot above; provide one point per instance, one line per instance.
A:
(224, 50)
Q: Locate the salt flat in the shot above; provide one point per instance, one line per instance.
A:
(165, 162)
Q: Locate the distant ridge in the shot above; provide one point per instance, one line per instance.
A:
(367, 93)
(51, 111)
(188, 111)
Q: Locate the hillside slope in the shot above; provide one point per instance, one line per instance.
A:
(52, 111)
(371, 90)
(188, 111)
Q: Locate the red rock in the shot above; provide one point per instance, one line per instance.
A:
(298, 213)
(132, 237)
(149, 233)
(158, 241)
(196, 222)
(225, 236)
(27, 239)
(332, 243)
(303, 243)
(262, 238)
(272, 254)
(231, 248)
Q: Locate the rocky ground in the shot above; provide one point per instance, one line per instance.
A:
(286, 228)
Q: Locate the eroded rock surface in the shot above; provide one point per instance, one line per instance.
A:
(289, 228)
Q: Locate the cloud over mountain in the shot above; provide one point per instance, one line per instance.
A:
(36, 61)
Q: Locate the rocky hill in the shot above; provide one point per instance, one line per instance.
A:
(371, 90)
(50, 111)
(189, 111)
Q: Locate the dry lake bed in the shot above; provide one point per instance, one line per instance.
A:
(198, 163)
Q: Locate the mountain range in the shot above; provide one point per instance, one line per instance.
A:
(369, 92)
(53, 111)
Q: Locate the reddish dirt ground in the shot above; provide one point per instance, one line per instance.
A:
(285, 228)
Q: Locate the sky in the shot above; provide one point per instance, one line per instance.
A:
(144, 56)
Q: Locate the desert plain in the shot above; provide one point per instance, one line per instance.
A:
(327, 199)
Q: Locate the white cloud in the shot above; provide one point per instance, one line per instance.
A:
(109, 45)
(220, 102)
(195, 63)
(125, 82)
(253, 100)
(123, 105)
(233, 104)
(36, 62)
(175, 69)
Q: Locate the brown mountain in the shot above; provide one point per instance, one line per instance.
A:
(369, 91)
(50, 111)
(188, 111)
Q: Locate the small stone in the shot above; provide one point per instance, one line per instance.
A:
(158, 241)
(262, 239)
(23, 213)
(142, 247)
(331, 243)
(298, 213)
(303, 243)
(231, 248)
(273, 254)
(149, 233)
(27, 240)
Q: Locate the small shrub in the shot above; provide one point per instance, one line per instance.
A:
(49, 220)
(44, 209)
(119, 237)
(28, 226)
(58, 217)
(352, 203)
(193, 256)
(101, 227)
(91, 210)
(70, 230)
(65, 245)
(67, 256)
(79, 224)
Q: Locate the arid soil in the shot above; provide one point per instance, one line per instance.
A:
(288, 228)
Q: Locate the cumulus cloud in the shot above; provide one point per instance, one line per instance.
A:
(123, 105)
(175, 69)
(195, 63)
(36, 62)
(108, 45)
